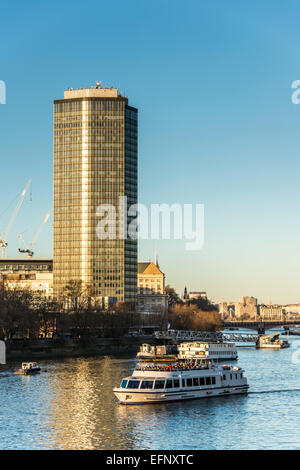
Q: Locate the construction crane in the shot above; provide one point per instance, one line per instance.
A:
(29, 246)
(3, 238)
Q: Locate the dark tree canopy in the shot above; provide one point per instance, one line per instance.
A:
(173, 297)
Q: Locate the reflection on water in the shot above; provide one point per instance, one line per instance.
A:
(71, 406)
(82, 408)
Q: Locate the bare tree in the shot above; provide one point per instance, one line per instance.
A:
(190, 317)
(77, 296)
(16, 313)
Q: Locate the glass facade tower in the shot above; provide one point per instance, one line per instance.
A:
(95, 163)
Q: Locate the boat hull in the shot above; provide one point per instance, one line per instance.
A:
(28, 372)
(147, 398)
(233, 357)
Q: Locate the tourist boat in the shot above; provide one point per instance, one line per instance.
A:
(217, 351)
(28, 368)
(181, 381)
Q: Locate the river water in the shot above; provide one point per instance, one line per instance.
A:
(71, 406)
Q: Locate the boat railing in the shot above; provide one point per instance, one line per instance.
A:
(171, 369)
(184, 367)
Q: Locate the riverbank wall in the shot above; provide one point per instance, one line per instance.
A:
(49, 349)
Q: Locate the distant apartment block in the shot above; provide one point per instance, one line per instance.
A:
(292, 309)
(195, 295)
(226, 309)
(246, 307)
(36, 274)
(271, 312)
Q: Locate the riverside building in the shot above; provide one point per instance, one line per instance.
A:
(35, 274)
(152, 297)
(95, 163)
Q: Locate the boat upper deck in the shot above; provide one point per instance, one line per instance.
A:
(183, 369)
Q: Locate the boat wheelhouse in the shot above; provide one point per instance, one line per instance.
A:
(181, 381)
(216, 351)
(167, 352)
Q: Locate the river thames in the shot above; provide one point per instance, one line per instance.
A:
(71, 406)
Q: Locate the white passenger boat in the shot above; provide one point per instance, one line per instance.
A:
(216, 351)
(180, 381)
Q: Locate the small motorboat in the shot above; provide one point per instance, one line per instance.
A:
(28, 368)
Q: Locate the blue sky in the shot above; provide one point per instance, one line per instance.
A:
(212, 81)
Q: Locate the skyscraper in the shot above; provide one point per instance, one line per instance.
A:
(95, 163)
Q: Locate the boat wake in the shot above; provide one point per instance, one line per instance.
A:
(281, 390)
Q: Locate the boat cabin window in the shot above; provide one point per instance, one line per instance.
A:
(207, 380)
(224, 377)
(195, 382)
(176, 383)
(147, 384)
(241, 375)
(124, 383)
(169, 384)
(183, 382)
(202, 381)
(159, 384)
(133, 384)
(189, 382)
(213, 380)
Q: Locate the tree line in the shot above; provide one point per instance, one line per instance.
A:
(196, 314)
(25, 313)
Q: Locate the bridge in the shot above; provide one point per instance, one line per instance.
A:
(182, 335)
(240, 337)
(261, 326)
(228, 336)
